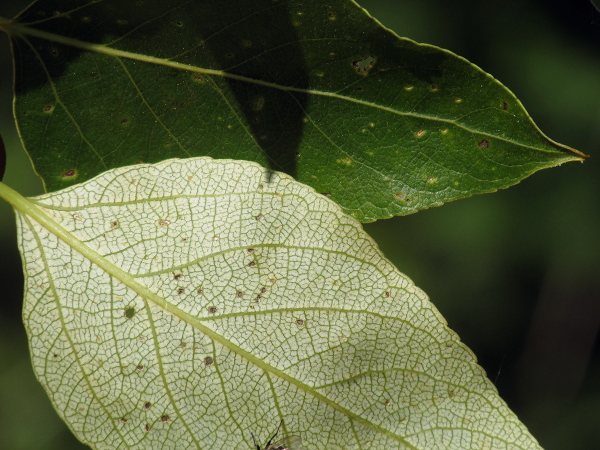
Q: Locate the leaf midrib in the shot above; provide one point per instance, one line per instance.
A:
(20, 30)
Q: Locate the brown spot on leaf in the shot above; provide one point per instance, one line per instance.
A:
(484, 144)
(71, 173)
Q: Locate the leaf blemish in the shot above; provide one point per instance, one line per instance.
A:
(180, 291)
(123, 419)
(164, 223)
(177, 276)
(114, 224)
(147, 405)
(239, 294)
(208, 361)
(409, 88)
(260, 216)
(124, 121)
(458, 100)
(484, 144)
(140, 367)
(331, 16)
(420, 133)
(363, 65)
(212, 309)
(71, 173)
(199, 291)
(129, 312)
(252, 264)
(258, 103)
(505, 106)
(48, 109)
(300, 322)
(433, 87)
(251, 250)
(164, 418)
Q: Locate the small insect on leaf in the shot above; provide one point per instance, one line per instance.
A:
(286, 443)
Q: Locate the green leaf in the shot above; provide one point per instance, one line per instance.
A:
(317, 89)
(194, 302)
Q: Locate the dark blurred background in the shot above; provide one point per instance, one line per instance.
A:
(516, 273)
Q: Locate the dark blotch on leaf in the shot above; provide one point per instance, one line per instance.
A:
(147, 405)
(164, 418)
(129, 312)
(71, 173)
(208, 361)
(484, 144)
(212, 309)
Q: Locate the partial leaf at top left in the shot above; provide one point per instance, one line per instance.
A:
(322, 91)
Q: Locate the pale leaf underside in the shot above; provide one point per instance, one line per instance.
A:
(191, 303)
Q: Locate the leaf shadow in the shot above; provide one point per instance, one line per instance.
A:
(255, 41)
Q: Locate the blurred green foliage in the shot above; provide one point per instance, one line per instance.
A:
(516, 273)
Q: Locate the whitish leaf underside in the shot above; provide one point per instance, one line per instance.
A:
(208, 299)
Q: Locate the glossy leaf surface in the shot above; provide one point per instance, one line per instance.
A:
(194, 302)
(317, 89)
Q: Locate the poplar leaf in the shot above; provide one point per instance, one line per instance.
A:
(193, 303)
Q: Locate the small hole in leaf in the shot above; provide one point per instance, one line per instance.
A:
(239, 294)
(252, 264)
(331, 16)
(212, 310)
(199, 291)
(505, 106)
(263, 290)
(177, 276)
(326, 194)
(147, 405)
(164, 418)
(300, 322)
(208, 361)
(420, 133)
(129, 312)
(123, 419)
(164, 223)
(433, 87)
(48, 109)
(140, 367)
(387, 294)
(363, 65)
(251, 250)
(179, 23)
(180, 291)
(484, 144)
(258, 298)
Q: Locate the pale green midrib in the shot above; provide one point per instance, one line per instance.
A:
(99, 48)
(24, 206)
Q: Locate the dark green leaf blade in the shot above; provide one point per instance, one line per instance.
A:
(383, 125)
